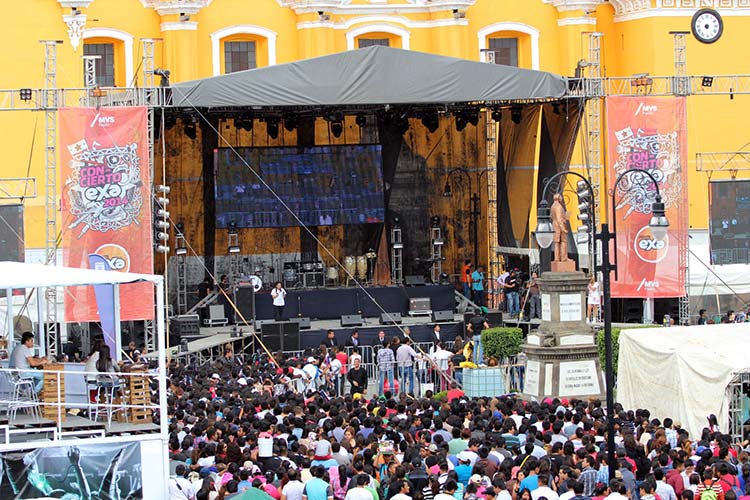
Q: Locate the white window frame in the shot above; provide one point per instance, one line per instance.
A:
(245, 29)
(127, 41)
(351, 35)
(510, 26)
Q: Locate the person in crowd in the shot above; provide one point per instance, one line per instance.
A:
(702, 318)
(353, 339)
(512, 298)
(466, 278)
(476, 324)
(477, 286)
(386, 361)
(23, 359)
(535, 298)
(405, 356)
(357, 377)
(594, 300)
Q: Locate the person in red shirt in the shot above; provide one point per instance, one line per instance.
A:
(673, 477)
(454, 392)
(709, 482)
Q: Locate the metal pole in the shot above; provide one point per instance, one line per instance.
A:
(606, 268)
(475, 212)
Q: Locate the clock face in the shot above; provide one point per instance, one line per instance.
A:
(707, 25)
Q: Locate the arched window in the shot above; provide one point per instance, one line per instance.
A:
(114, 68)
(238, 48)
(378, 34)
(511, 44)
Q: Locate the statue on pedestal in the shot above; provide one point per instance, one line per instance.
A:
(560, 218)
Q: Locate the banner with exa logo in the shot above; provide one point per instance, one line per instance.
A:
(648, 133)
(106, 209)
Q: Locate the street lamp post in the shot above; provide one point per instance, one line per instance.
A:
(544, 235)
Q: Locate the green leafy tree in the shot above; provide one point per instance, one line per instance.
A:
(502, 342)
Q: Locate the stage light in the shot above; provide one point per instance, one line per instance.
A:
(337, 128)
(496, 115)
(234, 249)
(232, 227)
(161, 249)
(290, 123)
(445, 279)
(180, 228)
(161, 224)
(431, 121)
(435, 221)
(707, 81)
(163, 189)
(447, 193)
(161, 213)
(473, 117)
(556, 108)
(515, 114)
(461, 123)
(190, 130)
(396, 223)
(25, 94)
(272, 126)
(361, 120)
(181, 251)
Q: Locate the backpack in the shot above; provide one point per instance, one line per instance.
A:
(735, 487)
(708, 493)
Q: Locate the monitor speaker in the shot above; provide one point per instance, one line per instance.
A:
(304, 323)
(390, 318)
(351, 320)
(414, 280)
(494, 318)
(442, 316)
(280, 336)
(245, 300)
(260, 322)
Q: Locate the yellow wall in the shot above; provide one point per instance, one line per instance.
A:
(640, 45)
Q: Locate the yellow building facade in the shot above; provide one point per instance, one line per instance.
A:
(202, 38)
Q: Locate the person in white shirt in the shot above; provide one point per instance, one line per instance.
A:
(294, 488)
(543, 490)
(617, 490)
(359, 492)
(279, 300)
(179, 487)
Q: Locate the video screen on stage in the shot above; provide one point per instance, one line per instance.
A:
(323, 186)
(730, 222)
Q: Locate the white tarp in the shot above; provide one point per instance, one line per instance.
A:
(22, 275)
(681, 372)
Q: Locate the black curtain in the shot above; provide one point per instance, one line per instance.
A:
(209, 142)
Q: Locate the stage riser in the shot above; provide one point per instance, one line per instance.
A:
(334, 303)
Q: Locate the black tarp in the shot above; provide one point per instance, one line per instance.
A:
(371, 76)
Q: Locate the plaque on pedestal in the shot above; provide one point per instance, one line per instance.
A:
(562, 356)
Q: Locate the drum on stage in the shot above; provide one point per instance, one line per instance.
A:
(257, 283)
(332, 273)
(362, 266)
(350, 264)
(308, 266)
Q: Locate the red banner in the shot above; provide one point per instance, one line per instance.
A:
(106, 206)
(648, 133)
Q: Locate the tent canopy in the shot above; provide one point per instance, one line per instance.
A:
(371, 76)
(681, 372)
(21, 275)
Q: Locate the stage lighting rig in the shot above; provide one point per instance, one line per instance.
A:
(190, 129)
(515, 114)
(272, 127)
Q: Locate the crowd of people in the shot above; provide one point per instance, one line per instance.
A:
(233, 434)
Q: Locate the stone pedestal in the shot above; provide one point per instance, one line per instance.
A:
(562, 356)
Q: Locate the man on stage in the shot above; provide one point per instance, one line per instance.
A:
(279, 300)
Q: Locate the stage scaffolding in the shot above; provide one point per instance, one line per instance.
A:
(591, 86)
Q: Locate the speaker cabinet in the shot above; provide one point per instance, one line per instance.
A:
(442, 316)
(245, 299)
(390, 318)
(414, 280)
(304, 323)
(280, 336)
(352, 320)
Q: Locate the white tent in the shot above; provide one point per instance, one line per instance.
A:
(18, 275)
(682, 372)
(707, 279)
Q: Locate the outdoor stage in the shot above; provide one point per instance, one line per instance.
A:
(332, 303)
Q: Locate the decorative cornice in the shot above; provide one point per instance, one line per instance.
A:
(409, 23)
(166, 7)
(629, 6)
(347, 7)
(180, 26)
(568, 5)
(70, 4)
(576, 21)
(75, 24)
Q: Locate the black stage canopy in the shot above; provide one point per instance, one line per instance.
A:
(371, 76)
